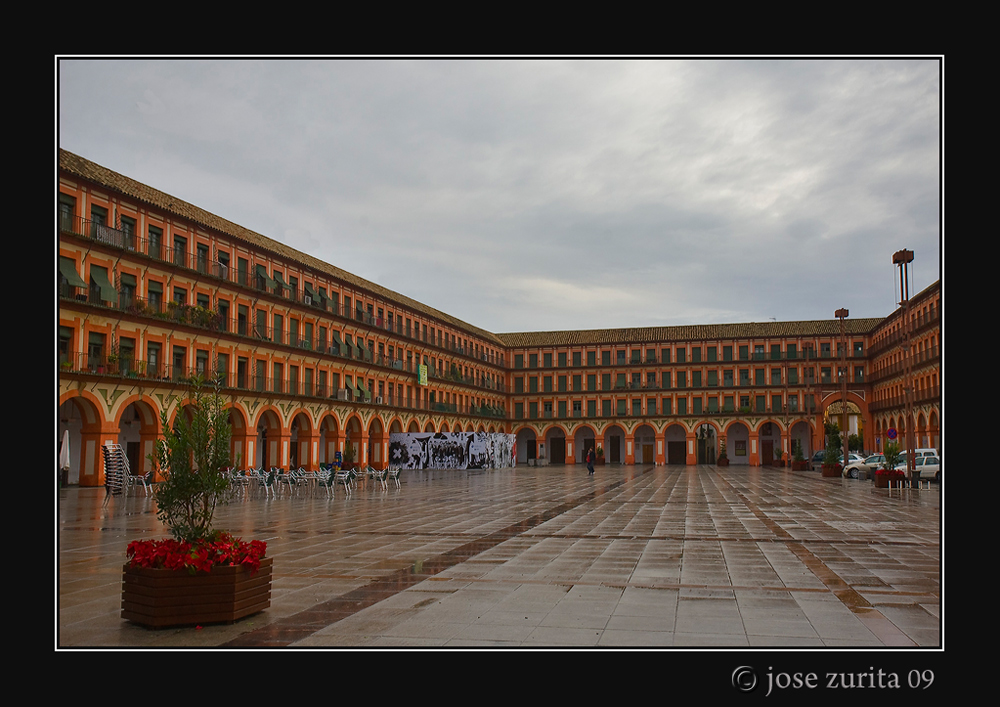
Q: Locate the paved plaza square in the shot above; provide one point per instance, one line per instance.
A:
(634, 556)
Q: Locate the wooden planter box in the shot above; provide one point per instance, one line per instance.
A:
(800, 466)
(832, 470)
(723, 462)
(158, 597)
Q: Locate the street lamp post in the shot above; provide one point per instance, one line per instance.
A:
(902, 258)
(841, 314)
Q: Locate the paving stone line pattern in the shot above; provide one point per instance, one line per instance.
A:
(636, 556)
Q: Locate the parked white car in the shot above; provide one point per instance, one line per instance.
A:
(926, 467)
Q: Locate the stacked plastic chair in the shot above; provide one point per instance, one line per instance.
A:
(116, 470)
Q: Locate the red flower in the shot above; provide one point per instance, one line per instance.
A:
(223, 549)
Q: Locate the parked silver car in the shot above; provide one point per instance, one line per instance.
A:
(869, 465)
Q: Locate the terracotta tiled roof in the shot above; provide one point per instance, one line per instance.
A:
(698, 332)
(85, 169)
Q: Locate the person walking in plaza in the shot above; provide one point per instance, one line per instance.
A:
(590, 461)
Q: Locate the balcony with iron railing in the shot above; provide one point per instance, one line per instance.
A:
(202, 318)
(618, 413)
(157, 250)
(919, 359)
(929, 395)
(129, 369)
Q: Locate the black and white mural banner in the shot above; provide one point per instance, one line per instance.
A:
(451, 450)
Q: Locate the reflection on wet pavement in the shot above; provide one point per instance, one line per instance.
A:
(634, 556)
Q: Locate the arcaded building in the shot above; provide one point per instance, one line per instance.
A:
(154, 292)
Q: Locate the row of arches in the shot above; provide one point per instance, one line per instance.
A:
(926, 429)
(267, 434)
(677, 443)
(263, 436)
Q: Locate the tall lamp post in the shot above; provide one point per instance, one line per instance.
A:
(902, 258)
(842, 314)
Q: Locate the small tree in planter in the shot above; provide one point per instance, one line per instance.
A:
(191, 458)
(834, 448)
(887, 472)
(157, 587)
(723, 457)
(799, 462)
(600, 454)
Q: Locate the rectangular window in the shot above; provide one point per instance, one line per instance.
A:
(696, 354)
(153, 360)
(682, 406)
(727, 353)
(713, 353)
(651, 406)
(562, 359)
(547, 359)
(576, 358)
(591, 408)
(605, 358)
(681, 355)
(591, 358)
(667, 406)
(279, 327)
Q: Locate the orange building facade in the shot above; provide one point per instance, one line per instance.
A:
(154, 292)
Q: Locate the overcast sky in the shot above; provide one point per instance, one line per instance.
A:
(526, 195)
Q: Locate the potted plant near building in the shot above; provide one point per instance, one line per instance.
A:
(834, 448)
(887, 472)
(799, 462)
(723, 459)
(199, 575)
(600, 455)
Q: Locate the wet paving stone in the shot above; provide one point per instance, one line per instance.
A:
(530, 557)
